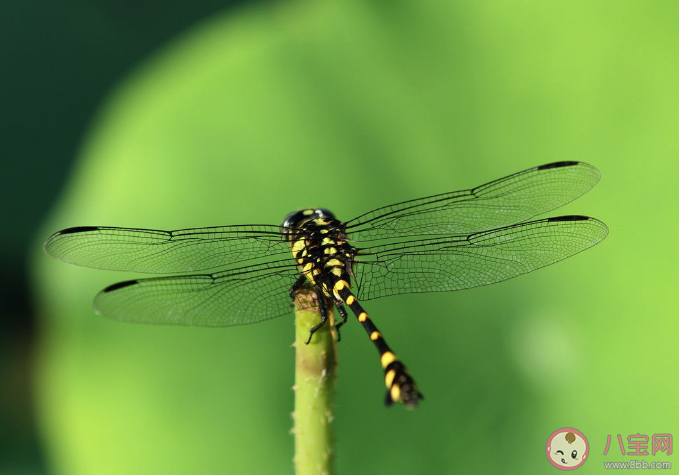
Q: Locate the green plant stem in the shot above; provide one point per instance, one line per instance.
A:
(315, 377)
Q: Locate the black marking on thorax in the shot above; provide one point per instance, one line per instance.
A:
(322, 253)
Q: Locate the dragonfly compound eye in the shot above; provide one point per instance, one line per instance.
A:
(323, 213)
(295, 219)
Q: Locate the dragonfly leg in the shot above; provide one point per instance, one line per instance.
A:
(322, 309)
(297, 285)
(343, 313)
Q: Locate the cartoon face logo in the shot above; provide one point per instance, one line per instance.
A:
(567, 448)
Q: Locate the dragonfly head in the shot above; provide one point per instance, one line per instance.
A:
(295, 220)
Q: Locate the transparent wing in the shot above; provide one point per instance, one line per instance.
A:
(164, 252)
(509, 200)
(233, 297)
(465, 261)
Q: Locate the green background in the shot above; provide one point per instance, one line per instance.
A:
(352, 105)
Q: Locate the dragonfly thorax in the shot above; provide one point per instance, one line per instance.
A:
(319, 247)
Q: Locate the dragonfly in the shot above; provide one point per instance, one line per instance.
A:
(235, 275)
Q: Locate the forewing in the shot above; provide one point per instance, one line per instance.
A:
(509, 200)
(165, 252)
(465, 261)
(234, 297)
